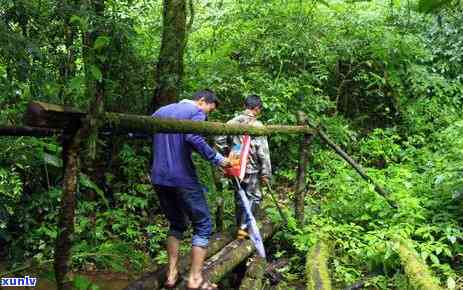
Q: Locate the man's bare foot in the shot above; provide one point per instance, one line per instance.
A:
(173, 277)
(201, 285)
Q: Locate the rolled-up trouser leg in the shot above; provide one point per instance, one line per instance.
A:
(195, 204)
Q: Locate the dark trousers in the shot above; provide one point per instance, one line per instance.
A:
(179, 205)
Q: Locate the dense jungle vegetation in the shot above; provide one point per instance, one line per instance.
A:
(383, 78)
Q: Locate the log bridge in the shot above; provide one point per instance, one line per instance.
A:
(44, 120)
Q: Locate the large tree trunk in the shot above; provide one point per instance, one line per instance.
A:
(170, 64)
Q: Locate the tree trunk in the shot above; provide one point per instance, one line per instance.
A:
(71, 146)
(170, 64)
(88, 130)
(317, 273)
(67, 68)
(303, 161)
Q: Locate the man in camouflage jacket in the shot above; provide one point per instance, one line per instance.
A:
(258, 168)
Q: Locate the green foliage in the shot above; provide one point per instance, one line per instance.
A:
(383, 80)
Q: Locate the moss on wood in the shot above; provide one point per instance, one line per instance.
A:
(155, 279)
(317, 273)
(418, 273)
(254, 274)
(52, 116)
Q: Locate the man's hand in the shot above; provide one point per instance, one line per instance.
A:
(265, 180)
(225, 163)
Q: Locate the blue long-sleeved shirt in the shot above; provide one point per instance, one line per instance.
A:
(172, 164)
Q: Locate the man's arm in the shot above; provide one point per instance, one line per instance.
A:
(200, 145)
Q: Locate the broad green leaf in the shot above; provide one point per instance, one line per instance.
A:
(87, 182)
(52, 160)
(96, 72)
(101, 42)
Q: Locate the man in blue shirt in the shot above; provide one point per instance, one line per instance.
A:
(180, 194)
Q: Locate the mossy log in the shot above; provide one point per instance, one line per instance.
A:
(317, 273)
(416, 270)
(28, 131)
(41, 114)
(216, 267)
(254, 274)
(234, 253)
(155, 279)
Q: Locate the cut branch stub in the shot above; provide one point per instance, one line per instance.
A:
(317, 273)
(40, 114)
(53, 116)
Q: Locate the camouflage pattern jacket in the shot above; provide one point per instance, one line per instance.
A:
(259, 154)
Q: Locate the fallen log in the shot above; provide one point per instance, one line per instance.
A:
(254, 274)
(28, 131)
(416, 270)
(234, 253)
(272, 272)
(41, 114)
(155, 279)
(317, 273)
(216, 267)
